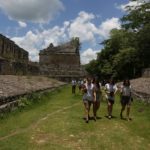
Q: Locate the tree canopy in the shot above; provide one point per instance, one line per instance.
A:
(127, 52)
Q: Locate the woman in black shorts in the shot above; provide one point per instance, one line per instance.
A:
(125, 98)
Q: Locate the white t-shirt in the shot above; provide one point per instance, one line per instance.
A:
(126, 90)
(110, 87)
(90, 89)
(73, 82)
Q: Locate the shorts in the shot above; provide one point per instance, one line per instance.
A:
(125, 100)
(111, 101)
(86, 97)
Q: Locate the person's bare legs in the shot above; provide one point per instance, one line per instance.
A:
(122, 110)
(128, 112)
(97, 106)
(86, 105)
(89, 108)
(109, 109)
(94, 109)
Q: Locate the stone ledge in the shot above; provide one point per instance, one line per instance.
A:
(13, 102)
(14, 86)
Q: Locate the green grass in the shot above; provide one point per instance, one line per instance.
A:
(55, 123)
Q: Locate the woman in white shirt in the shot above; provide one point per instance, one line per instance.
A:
(87, 89)
(110, 89)
(125, 98)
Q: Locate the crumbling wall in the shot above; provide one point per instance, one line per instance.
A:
(10, 51)
(14, 60)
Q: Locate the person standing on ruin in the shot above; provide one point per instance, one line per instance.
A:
(125, 98)
(110, 90)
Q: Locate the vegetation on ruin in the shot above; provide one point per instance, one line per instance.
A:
(54, 122)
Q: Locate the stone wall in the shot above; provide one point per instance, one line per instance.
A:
(17, 68)
(10, 51)
(62, 62)
(14, 60)
(12, 88)
(146, 73)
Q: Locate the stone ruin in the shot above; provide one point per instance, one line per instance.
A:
(63, 61)
(14, 60)
(60, 62)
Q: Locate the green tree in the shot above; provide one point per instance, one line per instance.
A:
(137, 17)
(127, 51)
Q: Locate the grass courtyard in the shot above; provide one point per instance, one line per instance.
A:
(56, 123)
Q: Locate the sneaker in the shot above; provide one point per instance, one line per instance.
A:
(109, 117)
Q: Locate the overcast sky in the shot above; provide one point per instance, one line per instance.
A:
(34, 24)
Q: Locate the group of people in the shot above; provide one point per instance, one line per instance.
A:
(92, 95)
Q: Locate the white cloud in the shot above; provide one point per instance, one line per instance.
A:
(38, 11)
(133, 4)
(88, 55)
(29, 42)
(22, 24)
(33, 42)
(107, 26)
(82, 27)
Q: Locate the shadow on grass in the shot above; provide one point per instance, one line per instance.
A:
(92, 118)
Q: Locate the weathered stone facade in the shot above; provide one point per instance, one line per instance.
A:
(9, 50)
(14, 60)
(63, 61)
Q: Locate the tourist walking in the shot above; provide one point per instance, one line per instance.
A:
(110, 90)
(87, 89)
(73, 86)
(79, 85)
(97, 97)
(125, 98)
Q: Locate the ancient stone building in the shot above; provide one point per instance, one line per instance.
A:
(63, 61)
(13, 59)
